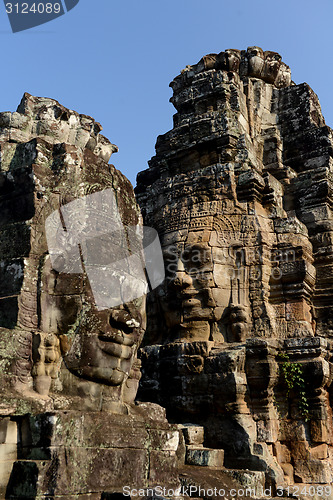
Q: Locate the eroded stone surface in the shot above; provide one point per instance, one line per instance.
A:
(65, 345)
(239, 191)
(69, 371)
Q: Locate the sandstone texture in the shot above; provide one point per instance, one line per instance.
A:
(239, 337)
(231, 393)
(50, 157)
(69, 374)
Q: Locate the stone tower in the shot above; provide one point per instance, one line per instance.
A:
(240, 334)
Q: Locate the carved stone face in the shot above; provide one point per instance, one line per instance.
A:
(97, 345)
(199, 286)
(79, 297)
(186, 298)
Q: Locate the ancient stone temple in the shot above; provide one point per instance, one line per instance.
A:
(230, 394)
(72, 315)
(239, 336)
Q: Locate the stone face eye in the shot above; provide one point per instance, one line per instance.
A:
(171, 253)
(196, 258)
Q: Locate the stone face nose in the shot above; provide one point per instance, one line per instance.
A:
(181, 279)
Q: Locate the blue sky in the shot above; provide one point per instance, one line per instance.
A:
(114, 59)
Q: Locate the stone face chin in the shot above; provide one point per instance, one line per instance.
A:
(239, 191)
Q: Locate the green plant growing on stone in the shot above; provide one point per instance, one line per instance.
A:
(293, 376)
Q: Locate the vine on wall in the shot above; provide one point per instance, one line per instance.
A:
(293, 376)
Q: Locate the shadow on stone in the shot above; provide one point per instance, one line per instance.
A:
(23, 489)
